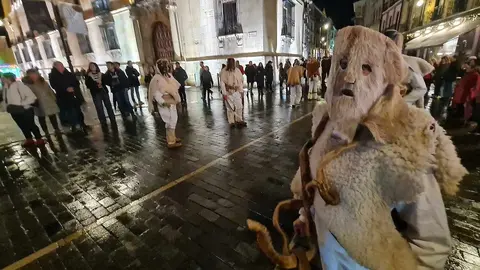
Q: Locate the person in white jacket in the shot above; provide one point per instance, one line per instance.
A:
(231, 83)
(18, 100)
(163, 89)
(417, 68)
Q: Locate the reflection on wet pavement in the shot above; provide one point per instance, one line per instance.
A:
(125, 201)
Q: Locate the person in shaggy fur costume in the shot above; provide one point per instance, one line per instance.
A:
(370, 179)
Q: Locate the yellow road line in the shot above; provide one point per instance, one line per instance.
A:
(65, 241)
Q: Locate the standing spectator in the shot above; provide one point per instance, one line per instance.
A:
(207, 83)
(95, 82)
(282, 74)
(148, 79)
(240, 67)
(19, 100)
(295, 75)
(439, 77)
(181, 76)
(251, 73)
(260, 78)
(449, 77)
(116, 79)
(164, 89)
(464, 91)
(133, 83)
(326, 64)
(66, 87)
(149, 75)
(269, 76)
(202, 68)
(47, 102)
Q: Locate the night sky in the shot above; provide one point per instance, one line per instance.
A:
(341, 11)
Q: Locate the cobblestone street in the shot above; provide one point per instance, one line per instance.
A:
(123, 201)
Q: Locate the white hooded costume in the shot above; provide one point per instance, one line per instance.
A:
(231, 84)
(164, 89)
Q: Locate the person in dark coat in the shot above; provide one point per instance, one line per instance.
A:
(251, 72)
(181, 76)
(148, 79)
(96, 83)
(326, 63)
(207, 83)
(260, 78)
(282, 74)
(116, 79)
(269, 76)
(133, 82)
(69, 98)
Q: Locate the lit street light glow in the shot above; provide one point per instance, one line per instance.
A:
(323, 38)
(326, 26)
(420, 3)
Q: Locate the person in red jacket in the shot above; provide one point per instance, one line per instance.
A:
(467, 90)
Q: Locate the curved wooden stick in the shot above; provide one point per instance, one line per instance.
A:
(287, 205)
(265, 244)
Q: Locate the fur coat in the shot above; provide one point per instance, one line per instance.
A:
(402, 170)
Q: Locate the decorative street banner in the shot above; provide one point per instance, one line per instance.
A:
(72, 15)
(38, 17)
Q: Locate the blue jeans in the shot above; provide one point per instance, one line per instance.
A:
(99, 100)
(123, 102)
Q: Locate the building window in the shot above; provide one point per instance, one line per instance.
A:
(36, 52)
(26, 55)
(62, 49)
(100, 7)
(288, 19)
(47, 46)
(84, 43)
(18, 56)
(109, 37)
(230, 24)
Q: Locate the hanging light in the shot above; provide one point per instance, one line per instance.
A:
(326, 26)
(420, 3)
(323, 38)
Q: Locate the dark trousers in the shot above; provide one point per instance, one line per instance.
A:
(123, 102)
(133, 91)
(325, 74)
(206, 92)
(183, 95)
(270, 85)
(75, 115)
(114, 102)
(26, 122)
(250, 85)
(101, 99)
(63, 115)
(43, 122)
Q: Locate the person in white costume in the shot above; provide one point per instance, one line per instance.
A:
(231, 83)
(163, 89)
(313, 74)
(370, 177)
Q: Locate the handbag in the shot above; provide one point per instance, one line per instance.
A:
(13, 108)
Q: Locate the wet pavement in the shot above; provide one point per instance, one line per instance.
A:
(123, 201)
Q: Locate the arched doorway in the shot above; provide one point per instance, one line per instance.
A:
(162, 41)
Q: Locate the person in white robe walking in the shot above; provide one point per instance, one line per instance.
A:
(231, 83)
(164, 90)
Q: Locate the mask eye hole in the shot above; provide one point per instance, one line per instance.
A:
(344, 63)
(366, 69)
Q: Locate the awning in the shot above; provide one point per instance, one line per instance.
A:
(438, 38)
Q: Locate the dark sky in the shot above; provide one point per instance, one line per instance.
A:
(341, 11)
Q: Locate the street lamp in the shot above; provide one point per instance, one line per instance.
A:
(323, 38)
(326, 26)
(420, 3)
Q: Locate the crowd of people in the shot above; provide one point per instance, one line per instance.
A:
(305, 79)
